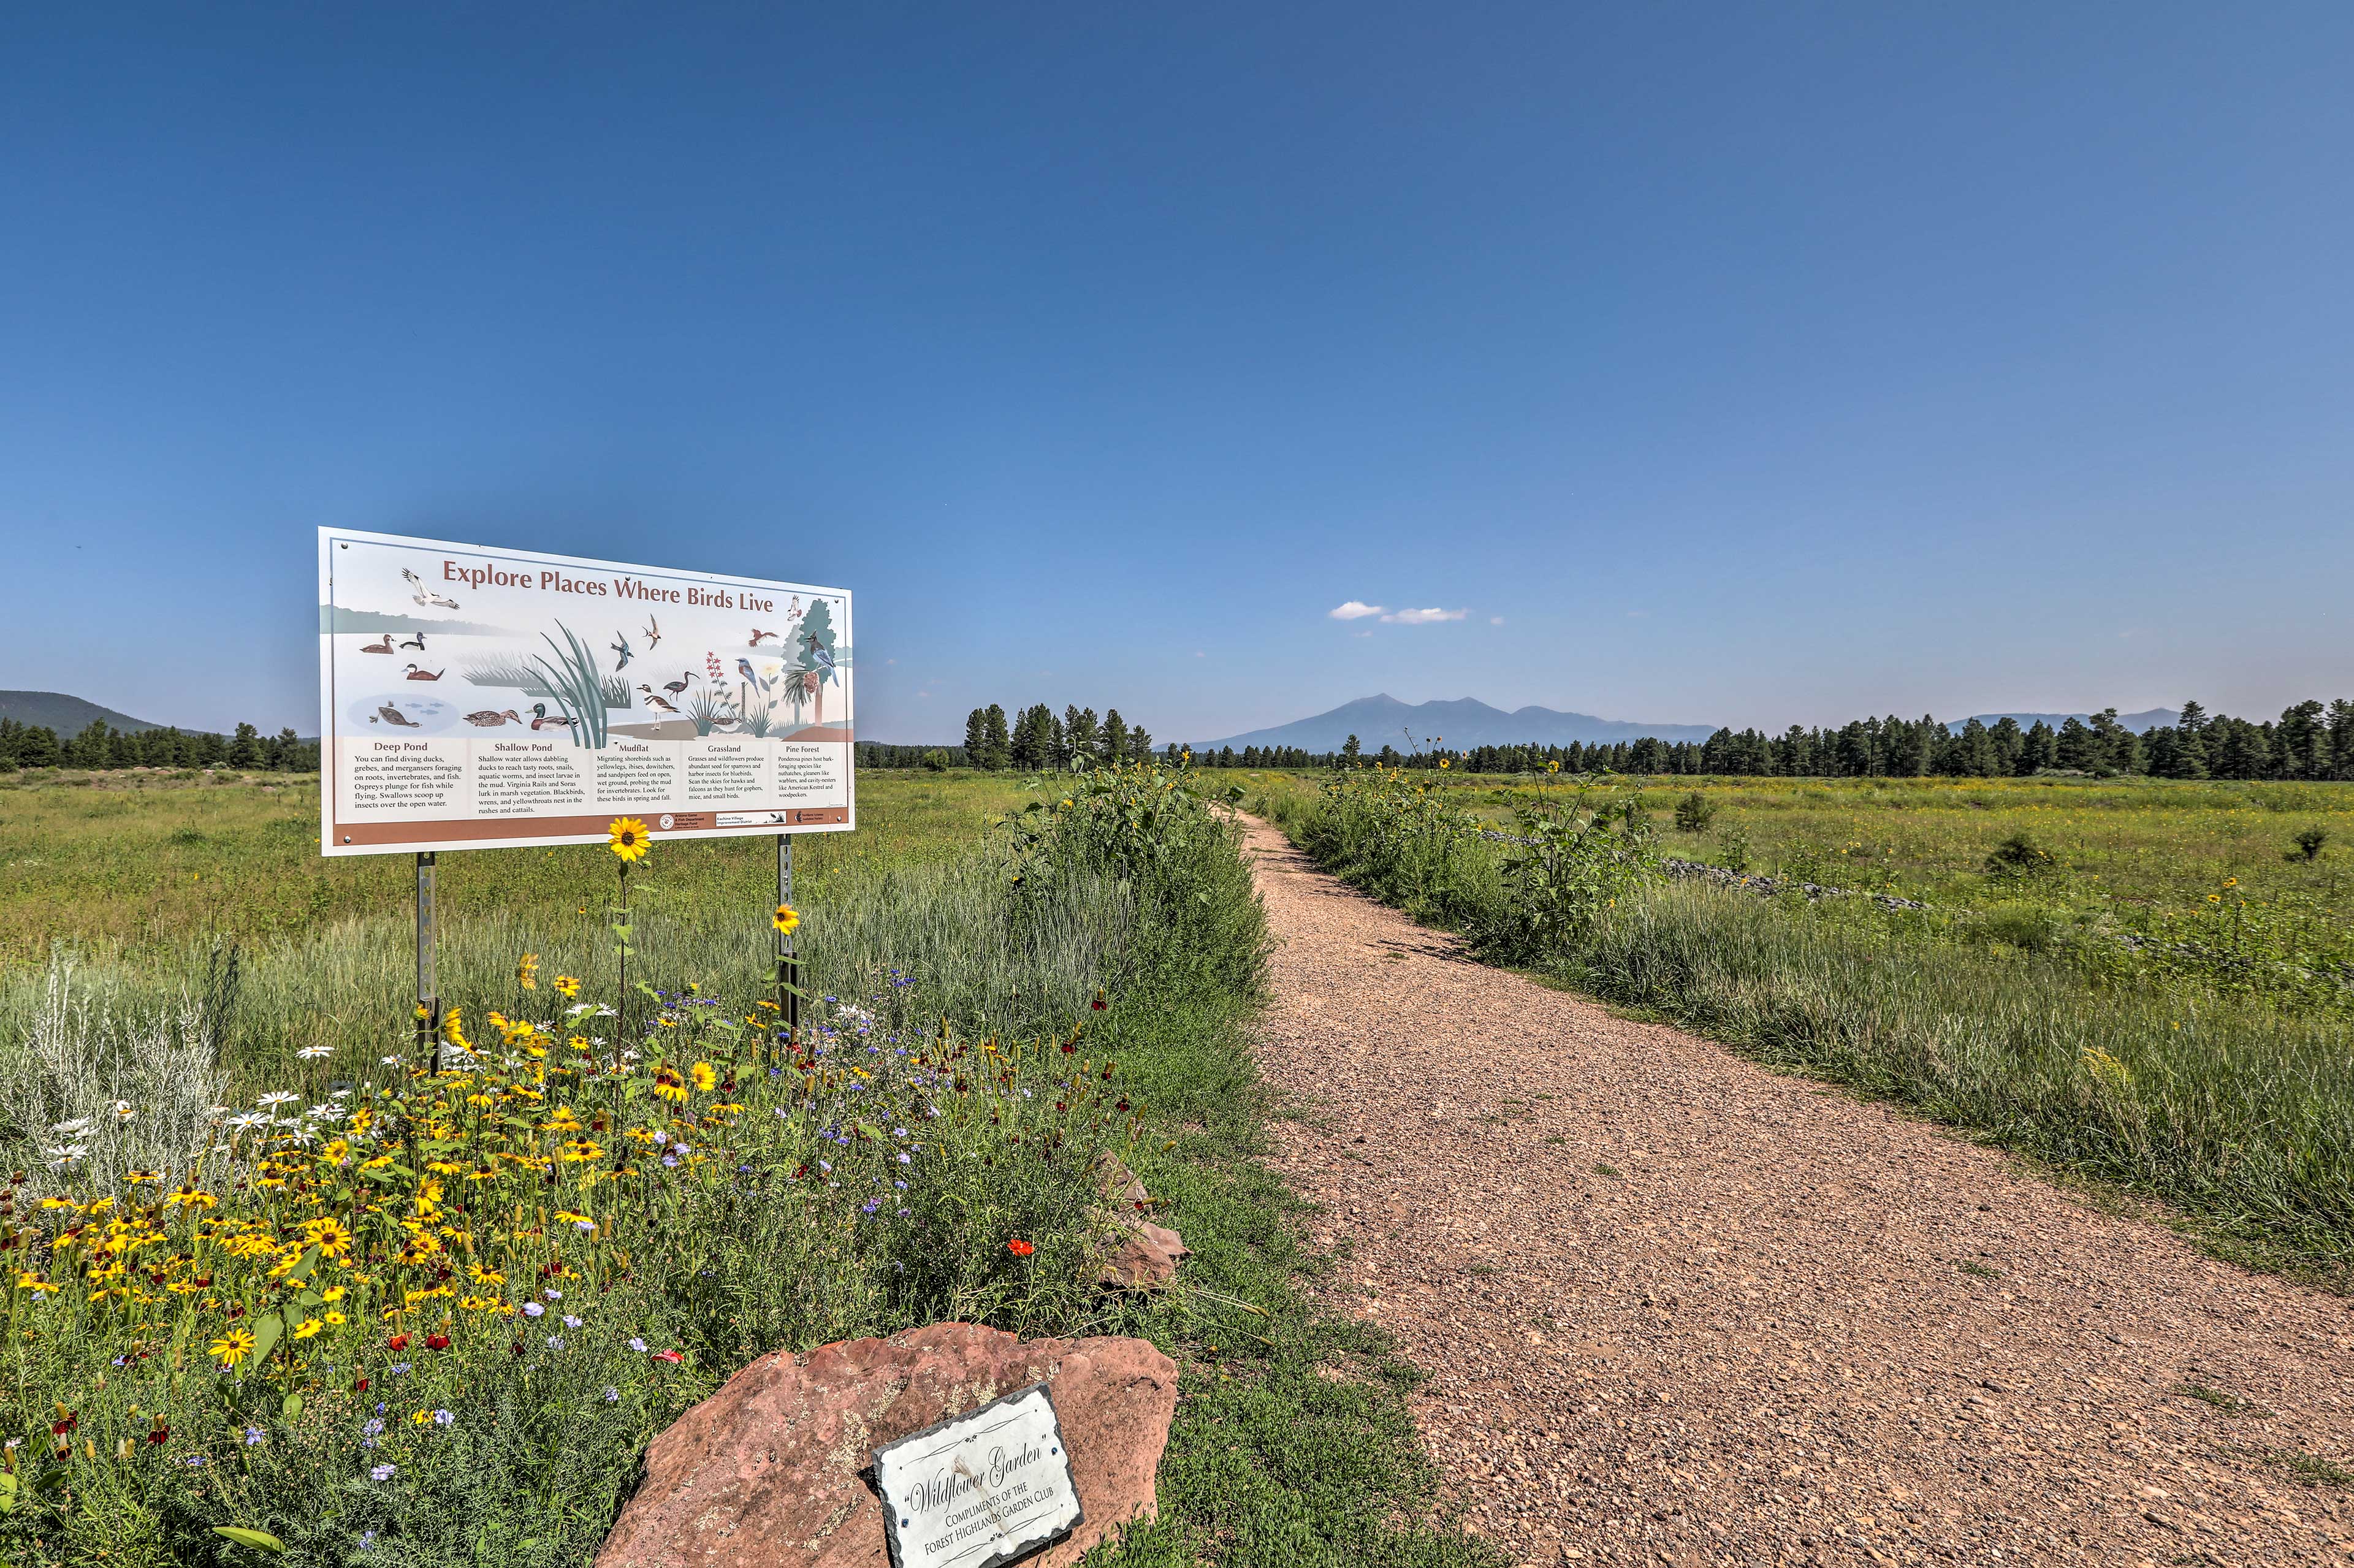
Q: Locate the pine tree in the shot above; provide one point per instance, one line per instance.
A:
(1112, 744)
(996, 742)
(976, 738)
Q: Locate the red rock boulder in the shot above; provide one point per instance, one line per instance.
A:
(767, 1471)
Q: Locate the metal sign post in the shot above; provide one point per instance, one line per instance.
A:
(788, 974)
(429, 991)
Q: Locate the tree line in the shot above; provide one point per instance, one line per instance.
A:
(101, 746)
(2310, 740)
(1040, 739)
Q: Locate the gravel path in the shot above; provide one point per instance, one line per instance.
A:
(1676, 1308)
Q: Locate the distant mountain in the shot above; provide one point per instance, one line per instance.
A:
(2140, 723)
(66, 716)
(1383, 720)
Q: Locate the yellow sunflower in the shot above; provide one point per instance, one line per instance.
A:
(785, 919)
(628, 838)
(567, 986)
(527, 971)
(704, 1076)
(234, 1346)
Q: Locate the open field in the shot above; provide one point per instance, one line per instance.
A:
(2215, 1073)
(1292, 1443)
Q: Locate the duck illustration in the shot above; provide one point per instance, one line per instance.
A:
(416, 643)
(422, 594)
(391, 715)
(620, 644)
(676, 687)
(655, 702)
(653, 632)
(490, 718)
(542, 719)
(382, 645)
(757, 634)
(416, 675)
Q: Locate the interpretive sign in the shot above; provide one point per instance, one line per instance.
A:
(472, 697)
(988, 1486)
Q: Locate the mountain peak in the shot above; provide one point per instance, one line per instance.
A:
(1383, 720)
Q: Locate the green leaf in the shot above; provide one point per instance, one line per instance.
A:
(7, 1493)
(266, 1330)
(302, 1270)
(309, 1298)
(291, 1411)
(871, 1131)
(260, 1540)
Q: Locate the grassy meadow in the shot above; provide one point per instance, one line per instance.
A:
(2160, 1002)
(418, 1401)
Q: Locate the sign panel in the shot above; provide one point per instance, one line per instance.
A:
(474, 698)
(980, 1489)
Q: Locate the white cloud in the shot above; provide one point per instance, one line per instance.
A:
(1355, 610)
(1362, 634)
(1423, 617)
(1495, 620)
(1197, 653)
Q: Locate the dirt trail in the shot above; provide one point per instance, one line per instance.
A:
(1678, 1310)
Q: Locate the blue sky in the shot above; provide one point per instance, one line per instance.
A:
(1753, 365)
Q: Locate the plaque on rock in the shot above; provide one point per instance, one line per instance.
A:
(985, 1487)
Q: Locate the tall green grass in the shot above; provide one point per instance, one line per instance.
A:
(2240, 1115)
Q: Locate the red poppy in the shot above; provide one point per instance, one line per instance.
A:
(671, 1356)
(359, 1385)
(437, 1341)
(1018, 1247)
(398, 1342)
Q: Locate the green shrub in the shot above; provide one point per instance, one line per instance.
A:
(1695, 813)
(2019, 855)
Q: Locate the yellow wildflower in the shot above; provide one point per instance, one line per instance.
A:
(785, 919)
(234, 1346)
(527, 972)
(705, 1078)
(628, 838)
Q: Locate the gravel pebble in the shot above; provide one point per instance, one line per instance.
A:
(1678, 1310)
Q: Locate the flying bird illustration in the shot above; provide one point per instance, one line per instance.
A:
(757, 635)
(542, 719)
(658, 704)
(425, 596)
(620, 644)
(490, 718)
(383, 645)
(416, 643)
(653, 632)
(416, 675)
(391, 715)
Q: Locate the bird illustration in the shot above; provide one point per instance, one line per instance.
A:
(652, 632)
(490, 718)
(620, 644)
(416, 643)
(819, 655)
(676, 687)
(542, 719)
(757, 635)
(744, 667)
(423, 595)
(794, 611)
(382, 645)
(416, 675)
(655, 702)
(391, 715)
